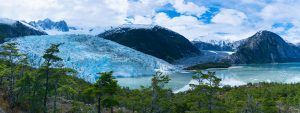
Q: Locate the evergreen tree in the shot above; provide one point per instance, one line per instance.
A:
(24, 87)
(106, 87)
(10, 54)
(208, 84)
(50, 58)
(158, 82)
(3, 72)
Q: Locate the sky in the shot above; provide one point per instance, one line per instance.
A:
(195, 19)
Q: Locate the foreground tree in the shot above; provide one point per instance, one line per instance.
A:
(158, 82)
(10, 54)
(106, 87)
(50, 58)
(207, 84)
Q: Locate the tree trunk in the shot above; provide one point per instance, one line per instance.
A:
(210, 96)
(46, 90)
(11, 84)
(55, 96)
(32, 99)
(133, 109)
(99, 105)
(1, 82)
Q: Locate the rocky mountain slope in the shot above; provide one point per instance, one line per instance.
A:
(11, 28)
(153, 40)
(265, 47)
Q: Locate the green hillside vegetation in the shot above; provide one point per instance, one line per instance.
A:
(209, 65)
(53, 89)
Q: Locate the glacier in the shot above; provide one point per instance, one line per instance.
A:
(89, 55)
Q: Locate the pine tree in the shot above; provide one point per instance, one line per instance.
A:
(106, 87)
(50, 58)
(10, 54)
(158, 81)
(208, 83)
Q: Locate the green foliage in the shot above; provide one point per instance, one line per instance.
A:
(209, 65)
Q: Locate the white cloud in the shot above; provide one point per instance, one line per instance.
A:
(283, 11)
(193, 29)
(229, 16)
(141, 20)
(189, 8)
(185, 25)
(145, 7)
(83, 12)
(230, 23)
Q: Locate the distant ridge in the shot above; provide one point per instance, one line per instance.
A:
(265, 47)
(48, 24)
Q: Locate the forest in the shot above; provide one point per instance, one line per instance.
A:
(51, 88)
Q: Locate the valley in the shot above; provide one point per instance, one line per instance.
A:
(139, 62)
(137, 54)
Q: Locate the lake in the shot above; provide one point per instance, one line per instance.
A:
(234, 76)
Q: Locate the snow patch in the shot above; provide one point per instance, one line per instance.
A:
(137, 26)
(27, 25)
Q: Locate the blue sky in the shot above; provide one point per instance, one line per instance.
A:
(195, 19)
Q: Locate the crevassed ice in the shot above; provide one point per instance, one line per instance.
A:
(90, 55)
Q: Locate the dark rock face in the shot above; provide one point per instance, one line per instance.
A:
(48, 24)
(265, 47)
(156, 41)
(17, 29)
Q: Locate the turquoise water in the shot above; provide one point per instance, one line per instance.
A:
(178, 80)
(235, 75)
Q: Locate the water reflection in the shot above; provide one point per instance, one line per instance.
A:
(235, 75)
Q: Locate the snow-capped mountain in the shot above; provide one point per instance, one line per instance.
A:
(218, 45)
(49, 25)
(154, 40)
(265, 47)
(12, 28)
(90, 55)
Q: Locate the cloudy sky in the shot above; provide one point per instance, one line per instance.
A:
(195, 19)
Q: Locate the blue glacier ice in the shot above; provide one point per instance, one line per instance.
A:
(90, 55)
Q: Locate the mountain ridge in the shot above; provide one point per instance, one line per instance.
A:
(265, 47)
(13, 28)
(153, 40)
(48, 24)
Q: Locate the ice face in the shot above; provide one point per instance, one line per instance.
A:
(90, 55)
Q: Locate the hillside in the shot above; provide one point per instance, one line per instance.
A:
(153, 40)
(11, 28)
